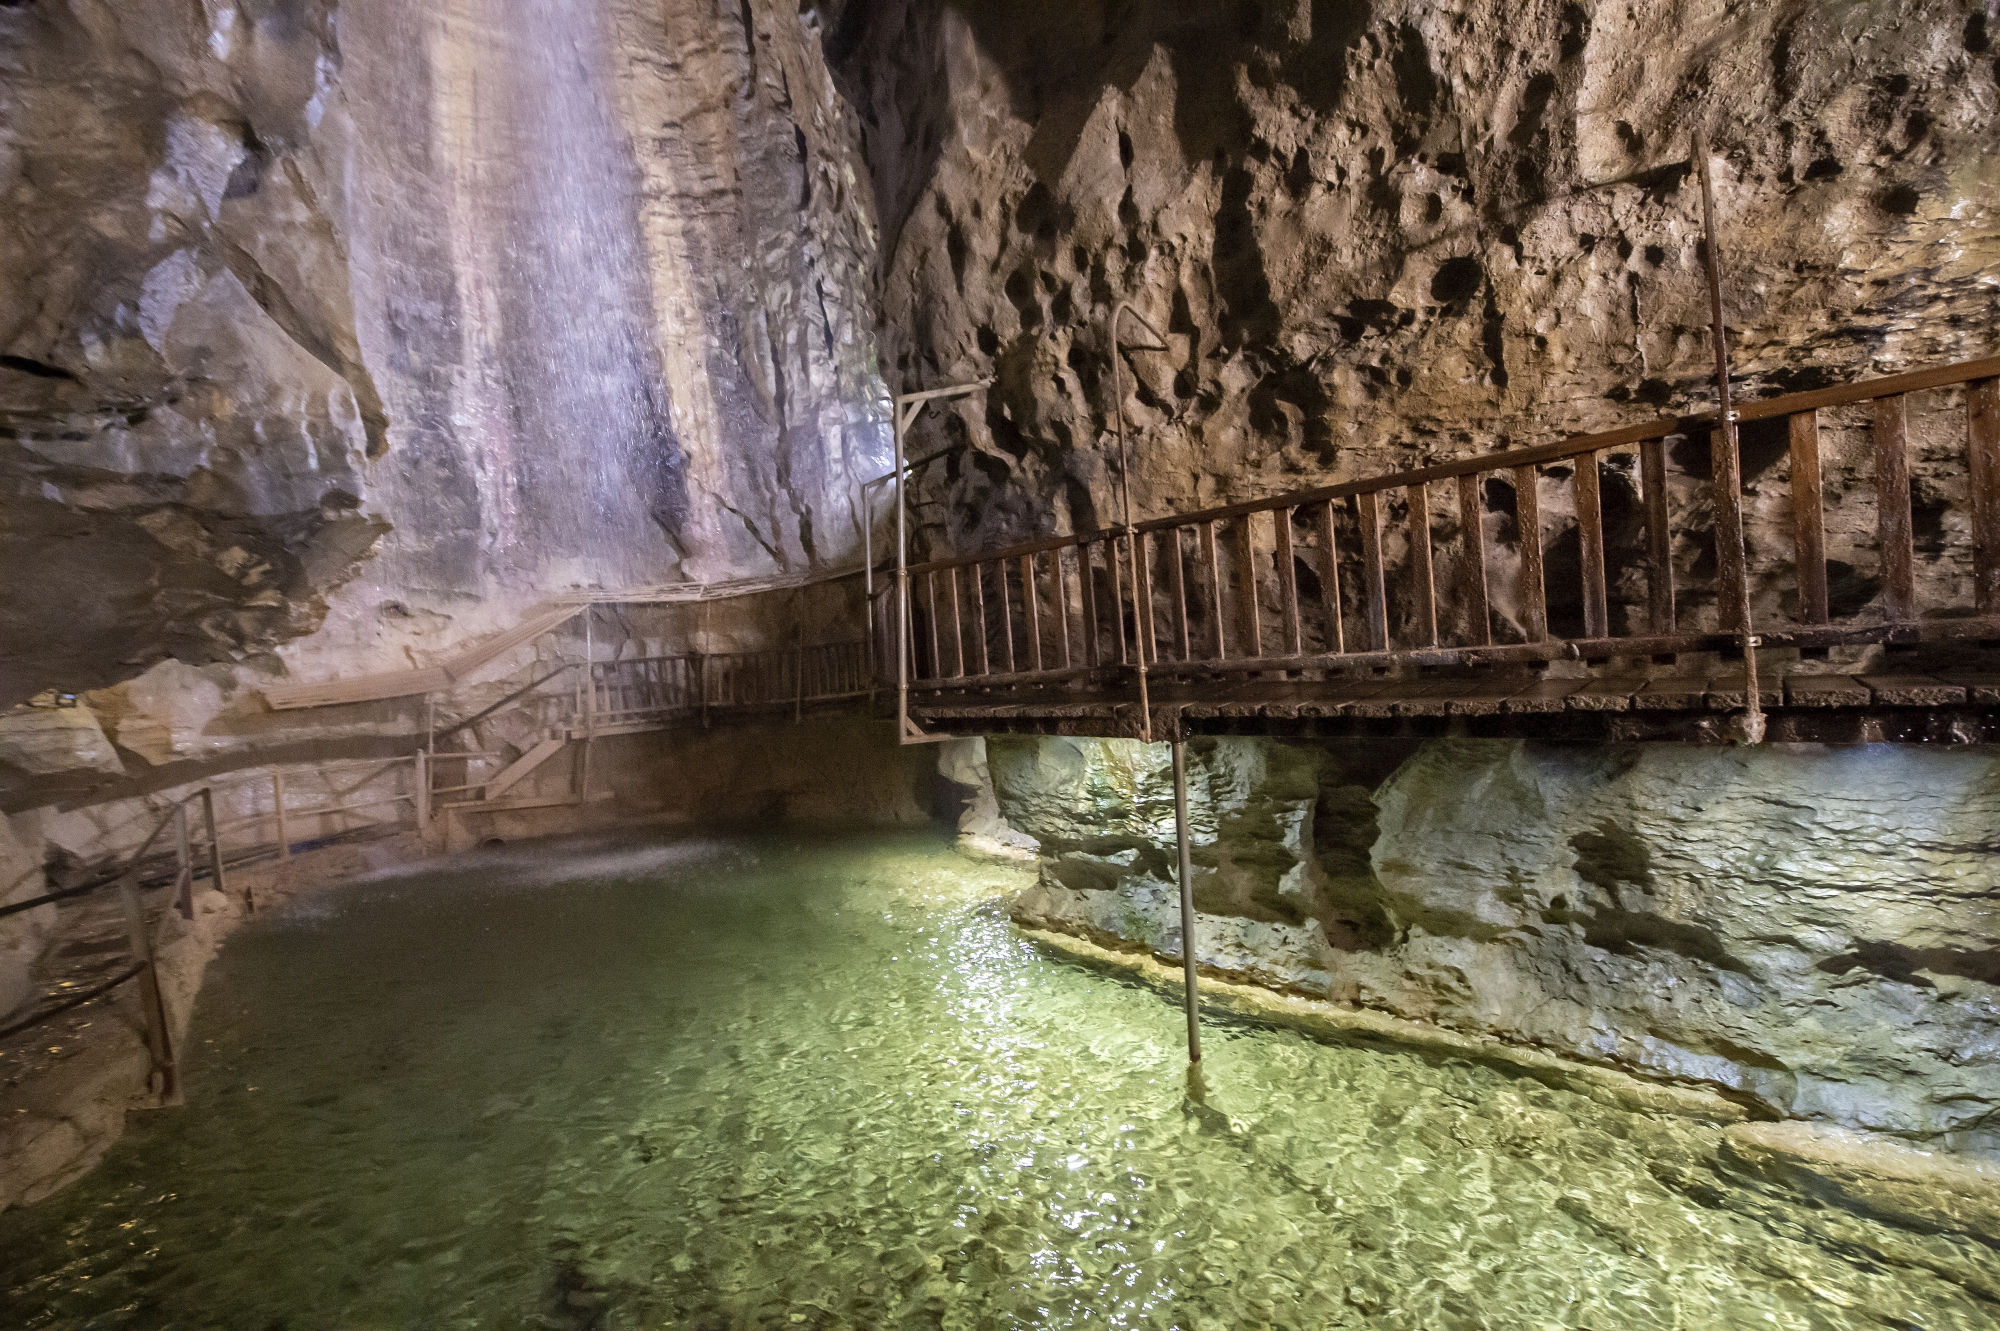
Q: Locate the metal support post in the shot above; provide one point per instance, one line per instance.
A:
(278, 803)
(1729, 520)
(159, 1042)
(1142, 610)
(422, 780)
(214, 841)
(1187, 900)
(184, 863)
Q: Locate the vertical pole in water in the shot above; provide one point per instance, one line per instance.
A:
(278, 802)
(1727, 465)
(1187, 901)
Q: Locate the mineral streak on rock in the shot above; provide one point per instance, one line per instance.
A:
(1810, 930)
(377, 322)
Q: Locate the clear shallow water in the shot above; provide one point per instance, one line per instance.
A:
(783, 1083)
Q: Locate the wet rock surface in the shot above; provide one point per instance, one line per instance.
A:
(374, 323)
(1811, 931)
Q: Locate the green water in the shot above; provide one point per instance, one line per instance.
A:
(820, 1083)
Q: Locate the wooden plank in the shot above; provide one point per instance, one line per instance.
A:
(1726, 489)
(1808, 518)
(1659, 537)
(1142, 589)
(1913, 691)
(1486, 695)
(1253, 628)
(1374, 585)
(937, 638)
(1059, 598)
(1893, 526)
(1590, 537)
(1611, 692)
(1472, 561)
(1177, 587)
(1543, 696)
(1428, 697)
(1212, 566)
(1424, 583)
(979, 617)
(1826, 691)
(1533, 590)
(1672, 693)
(1006, 611)
(1290, 641)
(1329, 579)
(1982, 450)
(1087, 595)
(1031, 610)
(1982, 689)
(1728, 690)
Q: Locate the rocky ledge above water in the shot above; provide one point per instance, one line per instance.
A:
(1815, 932)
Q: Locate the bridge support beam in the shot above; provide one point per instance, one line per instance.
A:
(1193, 1000)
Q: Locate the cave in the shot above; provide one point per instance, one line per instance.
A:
(924, 663)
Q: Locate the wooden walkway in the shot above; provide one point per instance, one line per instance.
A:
(1608, 586)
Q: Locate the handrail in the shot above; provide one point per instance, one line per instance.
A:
(1863, 390)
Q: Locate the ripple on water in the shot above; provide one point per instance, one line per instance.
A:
(813, 1082)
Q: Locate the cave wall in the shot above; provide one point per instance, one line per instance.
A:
(1380, 233)
(1815, 931)
(331, 335)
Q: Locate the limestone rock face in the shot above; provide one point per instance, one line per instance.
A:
(1811, 930)
(1381, 234)
(332, 335)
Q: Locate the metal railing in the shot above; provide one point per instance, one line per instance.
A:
(1305, 580)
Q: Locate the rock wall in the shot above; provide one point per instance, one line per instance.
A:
(1814, 931)
(1378, 233)
(331, 335)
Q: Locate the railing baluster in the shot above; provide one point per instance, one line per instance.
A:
(1253, 634)
(1006, 611)
(1590, 539)
(1726, 485)
(1087, 594)
(979, 617)
(1112, 545)
(937, 647)
(1472, 560)
(1031, 609)
(1982, 447)
(1659, 537)
(1528, 522)
(1373, 583)
(1149, 638)
(1213, 567)
(1329, 580)
(957, 629)
(1178, 583)
(1059, 595)
(1291, 643)
(1808, 518)
(1892, 507)
(1419, 496)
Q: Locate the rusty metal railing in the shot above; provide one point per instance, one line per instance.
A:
(1305, 580)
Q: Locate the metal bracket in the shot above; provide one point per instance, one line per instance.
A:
(915, 734)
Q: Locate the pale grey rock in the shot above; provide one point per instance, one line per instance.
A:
(22, 935)
(45, 741)
(1810, 930)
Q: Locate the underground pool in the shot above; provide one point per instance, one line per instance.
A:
(822, 1082)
